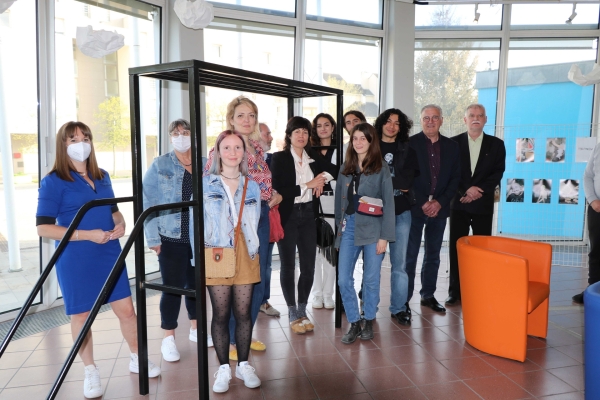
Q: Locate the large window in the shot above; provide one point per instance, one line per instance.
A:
(546, 114)
(19, 242)
(459, 17)
(454, 74)
(286, 8)
(347, 62)
(554, 16)
(95, 90)
(365, 13)
(255, 47)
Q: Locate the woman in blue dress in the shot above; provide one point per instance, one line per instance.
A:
(92, 249)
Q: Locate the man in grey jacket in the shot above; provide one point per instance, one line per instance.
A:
(591, 185)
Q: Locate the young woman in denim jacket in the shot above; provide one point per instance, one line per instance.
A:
(362, 175)
(170, 232)
(242, 117)
(223, 191)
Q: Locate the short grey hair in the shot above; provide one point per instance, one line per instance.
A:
(433, 106)
(475, 105)
(179, 123)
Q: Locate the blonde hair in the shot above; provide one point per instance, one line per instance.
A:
(231, 110)
(62, 163)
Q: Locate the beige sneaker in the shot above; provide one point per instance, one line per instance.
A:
(298, 326)
(308, 325)
(269, 310)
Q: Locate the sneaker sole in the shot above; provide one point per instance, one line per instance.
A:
(318, 306)
(219, 391)
(173, 360)
(245, 384)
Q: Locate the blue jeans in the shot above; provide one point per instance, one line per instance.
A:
(399, 279)
(371, 274)
(434, 234)
(264, 231)
(267, 277)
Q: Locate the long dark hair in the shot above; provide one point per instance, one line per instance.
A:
(293, 124)
(372, 163)
(405, 123)
(315, 140)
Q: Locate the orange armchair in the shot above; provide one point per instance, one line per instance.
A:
(505, 285)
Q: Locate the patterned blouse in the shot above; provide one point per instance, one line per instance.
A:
(258, 170)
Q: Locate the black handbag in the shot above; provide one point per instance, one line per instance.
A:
(325, 236)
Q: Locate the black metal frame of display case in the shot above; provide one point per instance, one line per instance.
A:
(199, 73)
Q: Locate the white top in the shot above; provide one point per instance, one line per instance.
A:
(303, 175)
(591, 176)
(234, 213)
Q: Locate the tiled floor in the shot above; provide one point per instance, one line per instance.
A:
(429, 360)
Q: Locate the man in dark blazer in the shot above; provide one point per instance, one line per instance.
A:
(435, 187)
(482, 159)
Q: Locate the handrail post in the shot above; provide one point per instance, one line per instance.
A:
(138, 207)
(198, 215)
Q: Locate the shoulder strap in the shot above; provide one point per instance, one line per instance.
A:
(239, 224)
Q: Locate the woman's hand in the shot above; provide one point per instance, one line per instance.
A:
(117, 232)
(381, 246)
(156, 249)
(317, 182)
(97, 236)
(276, 198)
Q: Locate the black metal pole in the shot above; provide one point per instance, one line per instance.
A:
(198, 218)
(340, 147)
(290, 102)
(138, 206)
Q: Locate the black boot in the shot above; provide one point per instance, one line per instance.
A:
(353, 333)
(367, 331)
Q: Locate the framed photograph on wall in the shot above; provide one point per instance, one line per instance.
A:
(525, 149)
(542, 190)
(568, 191)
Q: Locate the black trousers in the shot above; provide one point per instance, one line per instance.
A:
(460, 222)
(299, 231)
(593, 219)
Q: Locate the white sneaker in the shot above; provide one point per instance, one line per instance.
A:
(329, 303)
(92, 387)
(246, 373)
(194, 338)
(317, 302)
(223, 376)
(169, 349)
(134, 366)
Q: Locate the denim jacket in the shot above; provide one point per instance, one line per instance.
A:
(162, 185)
(219, 230)
(367, 229)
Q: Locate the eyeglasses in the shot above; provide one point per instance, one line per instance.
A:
(177, 133)
(435, 118)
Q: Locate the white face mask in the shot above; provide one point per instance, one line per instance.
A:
(181, 143)
(79, 151)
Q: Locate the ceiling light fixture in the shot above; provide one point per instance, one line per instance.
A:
(573, 15)
(476, 14)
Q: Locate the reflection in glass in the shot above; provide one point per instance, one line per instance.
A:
(329, 65)
(454, 74)
(458, 17)
(554, 16)
(255, 47)
(96, 90)
(365, 13)
(19, 242)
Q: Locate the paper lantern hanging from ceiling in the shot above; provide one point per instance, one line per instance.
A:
(98, 43)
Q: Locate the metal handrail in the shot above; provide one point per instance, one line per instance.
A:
(106, 288)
